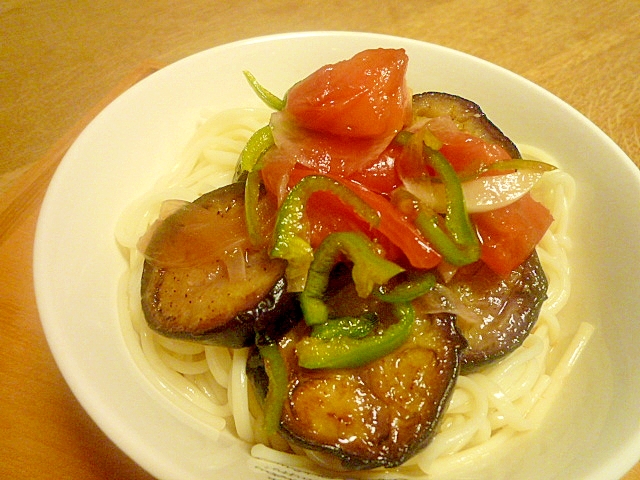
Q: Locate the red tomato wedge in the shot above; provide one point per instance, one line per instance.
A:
(342, 117)
(327, 214)
(381, 174)
(466, 153)
(399, 230)
(510, 234)
(365, 96)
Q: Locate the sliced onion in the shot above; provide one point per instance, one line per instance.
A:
(236, 264)
(481, 194)
(442, 299)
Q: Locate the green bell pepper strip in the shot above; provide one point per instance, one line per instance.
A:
(458, 244)
(519, 164)
(456, 218)
(403, 137)
(354, 327)
(258, 143)
(513, 164)
(265, 95)
(369, 269)
(289, 243)
(455, 253)
(347, 352)
(253, 183)
(409, 290)
(278, 383)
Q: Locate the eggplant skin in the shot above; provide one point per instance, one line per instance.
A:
(194, 299)
(506, 309)
(468, 116)
(377, 415)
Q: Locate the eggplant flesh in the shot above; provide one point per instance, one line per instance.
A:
(186, 289)
(379, 414)
(494, 314)
(468, 116)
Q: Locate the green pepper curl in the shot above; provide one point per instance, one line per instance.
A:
(278, 382)
(290, 242)
(261, 141)
(347, 352)
(417, 285)
(270, 100)
(369, 269)
(456, 240)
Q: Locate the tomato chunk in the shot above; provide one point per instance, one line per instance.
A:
(510, 234)
(466, 153)
(364, 96)
(400, 231)
(381, 174)
(324, 152)
(342, 117)
(341, 120)
(327, 214)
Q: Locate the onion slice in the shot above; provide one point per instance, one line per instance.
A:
(481, 194)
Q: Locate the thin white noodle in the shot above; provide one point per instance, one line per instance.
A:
(184, 364)
(266, 453)
(468, 458)
(151, 352)
(210, 384)
(239, 395)
(506, 411)
(562, 370)
(219, 361)
(457, 431)
(213, 391)
(181, 347)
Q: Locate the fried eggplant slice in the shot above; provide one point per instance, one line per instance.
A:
(468, 116)
(494, 314)
(500, 312)
(203, 280)
(379, 414)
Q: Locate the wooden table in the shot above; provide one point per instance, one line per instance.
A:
(60, 62)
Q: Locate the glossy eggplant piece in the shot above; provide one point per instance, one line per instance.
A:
(203, 280)
(494, 314)
(379, 414)
(468, 116)
(501, 311)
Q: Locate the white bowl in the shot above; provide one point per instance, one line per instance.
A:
(592, 431)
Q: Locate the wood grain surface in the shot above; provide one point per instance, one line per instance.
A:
(62, 62)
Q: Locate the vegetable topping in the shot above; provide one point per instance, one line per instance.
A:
(374, 242)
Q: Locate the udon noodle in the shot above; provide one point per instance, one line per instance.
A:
(210, 386)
